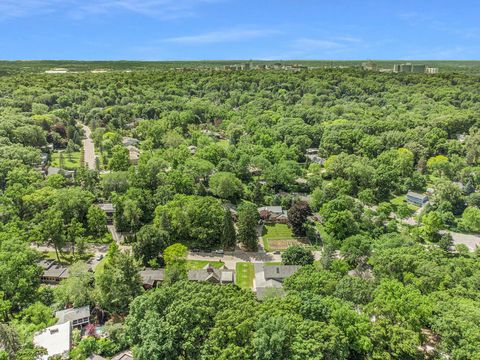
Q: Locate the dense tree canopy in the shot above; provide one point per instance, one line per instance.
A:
(337, 149)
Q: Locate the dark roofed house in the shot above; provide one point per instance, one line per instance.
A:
(151, 277)
(77, 316)
(53, 273)
(109, 210)
(95, 357)
(46, 263)
(129, 141)
(269, 279)
(416, 198)
(212, 275)
(124, 355)
(273, 214)
(314, 158)
(279, 272)
(133, 154)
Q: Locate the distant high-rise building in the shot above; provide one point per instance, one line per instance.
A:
(414, 68)
(431, 70)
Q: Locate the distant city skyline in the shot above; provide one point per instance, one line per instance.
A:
(234, 30)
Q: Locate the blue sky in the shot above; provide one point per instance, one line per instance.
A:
(239, 29)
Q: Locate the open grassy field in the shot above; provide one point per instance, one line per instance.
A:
(244, 272)
(199, 264)
(277, 232)
(69, 164)
(66, 258)
(279, 237)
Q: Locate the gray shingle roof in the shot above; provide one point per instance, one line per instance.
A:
(209, 273)
(72, 314)
(150, 276)
(56, 270)
(280, 272)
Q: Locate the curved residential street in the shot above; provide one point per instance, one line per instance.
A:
(89, 148)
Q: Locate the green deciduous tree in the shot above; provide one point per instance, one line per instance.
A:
(120, 159)
(226, 186)
(297, 255)
(118, 284)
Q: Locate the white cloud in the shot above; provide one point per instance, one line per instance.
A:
(165, 9)
(231, 35)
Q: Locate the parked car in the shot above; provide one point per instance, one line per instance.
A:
(99, 257)
(218, 252)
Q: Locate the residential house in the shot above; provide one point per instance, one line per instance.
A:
(53, 272)
(124, 355)
(129, 141)
(151, 277)
(95, 357)
(213, 275)
(269, 279)
(233, 210)
(78, 317)
(192, 149)
(315, 159)
(51, 170)
(312, 155)
(57, 340)
(109, 210)
(416, 198)
(133, 154)
(273, 214)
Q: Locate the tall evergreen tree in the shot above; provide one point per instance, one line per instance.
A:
(248, 218)
(228, 234)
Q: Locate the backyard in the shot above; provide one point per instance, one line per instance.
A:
(402, 200)
(70, 162)
(67, 258)
(278, 237)
(244, 274)
(200, 264)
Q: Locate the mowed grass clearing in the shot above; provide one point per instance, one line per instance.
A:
(200, 264)
(67, 258)
(278, 237)
(71, 162)
(402, 200)
(245, 273)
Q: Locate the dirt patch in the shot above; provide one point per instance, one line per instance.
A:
(283, 244)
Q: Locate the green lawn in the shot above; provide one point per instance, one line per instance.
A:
(101, 265)
(402, 200)
(199, 264)
(67, 258)
(72, 164)
(277, 232)
(245, 273)
(266, 245)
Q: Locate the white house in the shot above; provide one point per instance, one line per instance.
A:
(57, 339)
